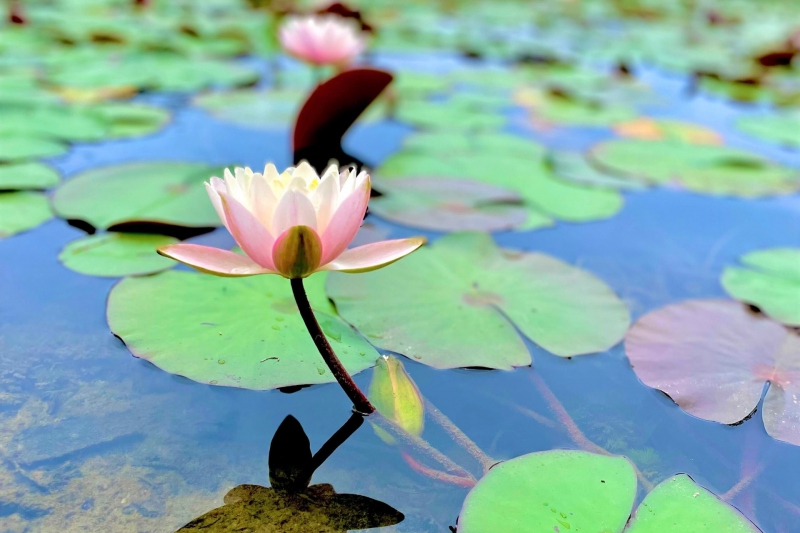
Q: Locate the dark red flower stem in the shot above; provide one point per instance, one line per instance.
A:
(360, 402)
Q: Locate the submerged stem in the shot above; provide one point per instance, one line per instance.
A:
(360, 402)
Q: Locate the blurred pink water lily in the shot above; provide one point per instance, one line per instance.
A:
(321, 40)
(293, 224)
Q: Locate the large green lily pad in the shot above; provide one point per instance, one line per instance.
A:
(770, 281)
(21, 211)
(564, 491)
(124, 120)
(516, 167)
(235, 332)
(455, 115)
(117, 254)
(456, 303)
(448, 204)
(255, 108)
(27, 175)
(701, 168)
(165, 192)
(552, 491)
(14, 147)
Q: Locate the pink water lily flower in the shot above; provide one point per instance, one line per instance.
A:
(321, 40)
(292, 224)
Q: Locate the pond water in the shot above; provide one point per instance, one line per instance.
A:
(94, 439)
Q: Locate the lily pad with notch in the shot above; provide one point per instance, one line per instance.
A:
(458, 303)
(701, 168)
(162, 193)
(565, 490)
(713, 358)
(770, 280)
(235, 332)
(117, 254)
(27, 175)
(21, 211)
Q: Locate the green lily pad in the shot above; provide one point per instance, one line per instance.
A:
(21, 211)
(701, 168)
(117, 254)
(27, 176)
(447, 303)
(52, 122)
(512, 168)
(564, 109)
(255, 108)
(679, 504)
(577, 491)
(19, 148)
(235, 332)
(124, 120)
(552, 491)
(448, 204)
(573, 166)
(771, 282)
(165, 193)
(779, 128)
(456, 115)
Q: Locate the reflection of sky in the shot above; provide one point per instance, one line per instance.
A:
(76, 407)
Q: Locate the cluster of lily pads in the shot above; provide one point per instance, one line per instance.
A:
(463, 172)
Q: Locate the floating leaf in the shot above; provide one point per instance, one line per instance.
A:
(448, 302)
(568, 110)
(574, 167)
(772, 283)
(516, 167)
(395, 395)
(552, 491)
(129, 120)
(21, 211)
(236, 332)
(255, 108)
(701, 168)
(650, 129)
(577, 491)
(448, 204)
(679, 504)
(61, 122)
(457, 115)
(779, 128)
(27, 176)
(164, 192)
(713, 357)
(15, 147)
(117, 254)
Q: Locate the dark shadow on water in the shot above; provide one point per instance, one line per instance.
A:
(291, 504)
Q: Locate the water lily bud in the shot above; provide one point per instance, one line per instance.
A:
(396, 397)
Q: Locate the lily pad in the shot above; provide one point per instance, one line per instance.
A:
(552, 491)
(235, 332)
(568, 110)
(772, 282)
(27, 176)
(254, 108)
(21, 147)
(779, 128)
(448, 204)
(117, 254)
(577, 491)
(679, 504)
(519, 166)
(454, 115)
(651, 129)
(713, 357)
(66, 123)
(21, 211)
(456, 303)
(166, 193)
(700, 168)
(124, 120)
(573, 166)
